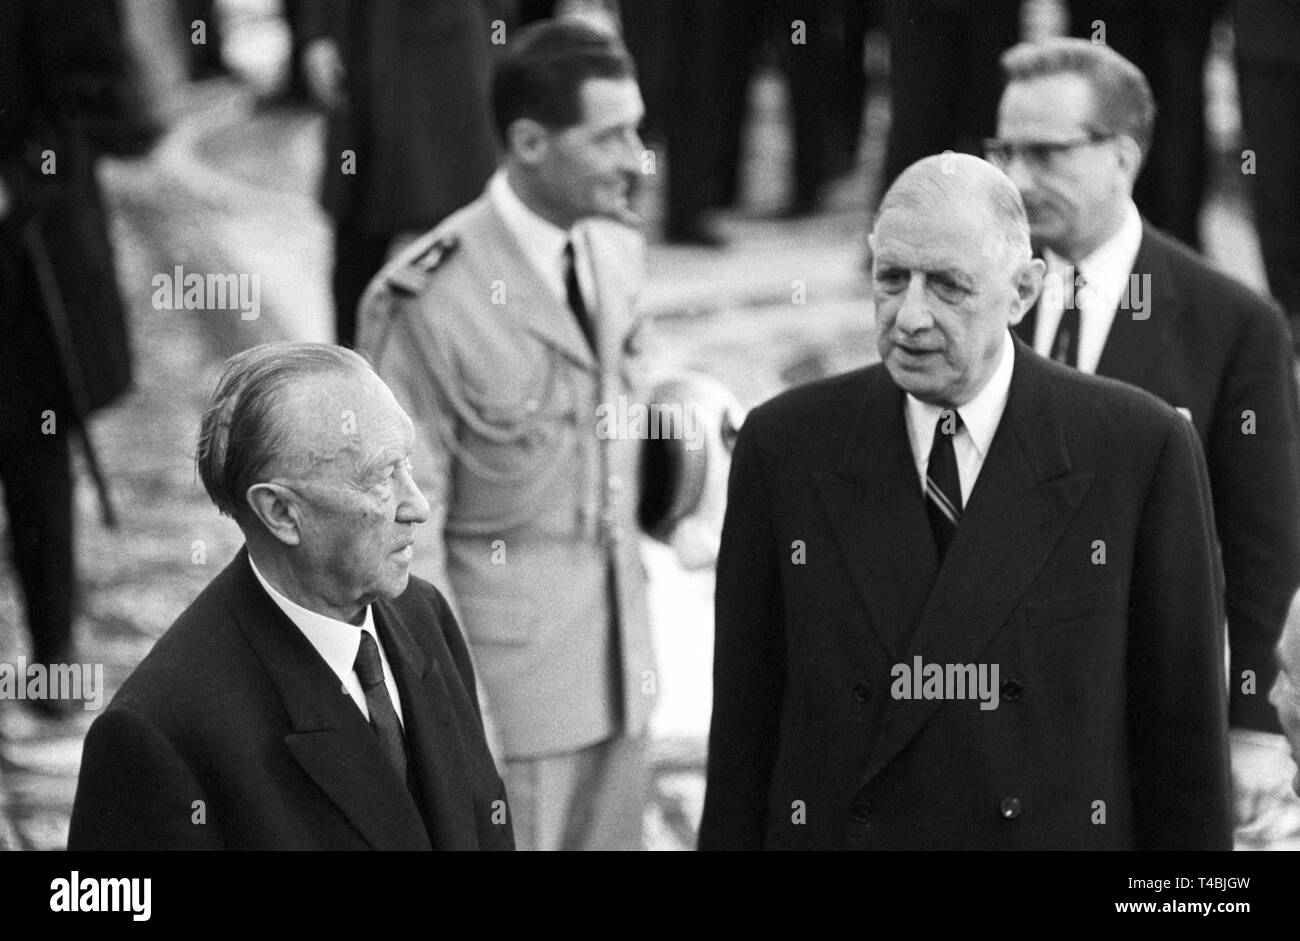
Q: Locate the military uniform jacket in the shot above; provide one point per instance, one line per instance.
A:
(532, 534)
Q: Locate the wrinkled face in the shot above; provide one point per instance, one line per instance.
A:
(1069, 174)
(359, 506)
(594, 167)
(945, 294)
(1285, 695)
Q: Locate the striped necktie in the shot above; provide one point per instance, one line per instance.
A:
(942, 483)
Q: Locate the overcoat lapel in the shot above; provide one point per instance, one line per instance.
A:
(432, 738)
(874, 509)
(1135, 347)
(331, 739)
(1026, 495)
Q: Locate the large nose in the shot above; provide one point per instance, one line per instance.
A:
(412, 507)
(914, 313)
(632, 151)
(1019, 172)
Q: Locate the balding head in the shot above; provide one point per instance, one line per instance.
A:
(956, 184)
(951, 272)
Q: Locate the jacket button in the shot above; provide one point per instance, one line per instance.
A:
(861, 692)
(1011, 808)
(862, 811)
(1011, 690)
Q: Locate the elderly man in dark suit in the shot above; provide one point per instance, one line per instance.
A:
(313, 696)
(65, 98)
(1125, 300)
(967, 598)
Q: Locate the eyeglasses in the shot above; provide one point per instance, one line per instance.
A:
(1039, 154)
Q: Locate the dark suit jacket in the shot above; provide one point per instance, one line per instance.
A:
(1110, 668)
(234, 707)
(1212, 346)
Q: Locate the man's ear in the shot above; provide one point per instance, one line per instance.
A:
(1129, 156)
(1029, 283)
(277, 509)
(527, 141)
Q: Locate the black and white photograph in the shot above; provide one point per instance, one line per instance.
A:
(650, 425)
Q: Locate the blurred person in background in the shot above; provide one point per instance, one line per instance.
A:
(66, 97)
(409, 138)
(1129, 302)
(1268, 68)
(944, 80)
(704, 52)
(1169, 41)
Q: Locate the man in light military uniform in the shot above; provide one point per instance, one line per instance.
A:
(502, 332)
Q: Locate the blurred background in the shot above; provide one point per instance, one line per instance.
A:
(766, 158)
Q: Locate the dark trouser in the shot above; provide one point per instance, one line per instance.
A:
(357, 259)
(944, 76)
(1270, 111)
(35, 469)
(36, 472)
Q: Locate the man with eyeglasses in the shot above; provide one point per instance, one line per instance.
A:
(1123, 299)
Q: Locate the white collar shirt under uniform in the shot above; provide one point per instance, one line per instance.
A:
(337, 642)
(1106, 271)
(542, 241)
(979, 421)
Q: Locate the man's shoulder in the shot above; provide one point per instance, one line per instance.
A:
(814, 409)
(194, 655)
(438, 253)
(1092, 406)
(1218, 301)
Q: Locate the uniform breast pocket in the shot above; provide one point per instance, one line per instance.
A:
(1063, 611)
(514, 422)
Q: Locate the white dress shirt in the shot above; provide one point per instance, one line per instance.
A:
(542, 240)
(979, 421)
(1106, 272)
(337, 642)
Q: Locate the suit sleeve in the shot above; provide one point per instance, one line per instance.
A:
(135, 792)
(748, 660)
(1257, 509)
(1177, 709)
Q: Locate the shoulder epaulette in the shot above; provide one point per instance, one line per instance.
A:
(413, 277)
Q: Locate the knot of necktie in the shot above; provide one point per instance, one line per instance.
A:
(368, 666)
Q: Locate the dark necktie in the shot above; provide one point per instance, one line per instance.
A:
(1065, 347)
(574, 292)
(383, 717)
(942, 483)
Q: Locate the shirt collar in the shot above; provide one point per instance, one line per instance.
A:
(1108, 266)
(336, 641)
(980, 416)
(541, 240)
